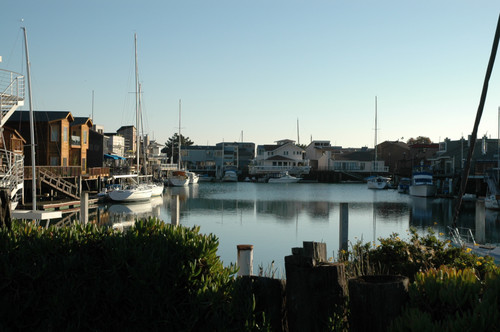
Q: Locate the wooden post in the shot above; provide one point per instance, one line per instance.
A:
(315, 289)
(374, 301)
(245, 259)
(480, 221)
(174, 210)
(84, 208)
(344, 227)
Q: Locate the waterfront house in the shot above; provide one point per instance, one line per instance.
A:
(358, 162)
(280, 157)
(395, 155)
(316, 149)
(80, 127)
(114, 144)
(449, 161)
(214, 159)
(129, 134)
(52, 136)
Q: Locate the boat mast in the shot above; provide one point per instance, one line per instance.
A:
(32, 128)
(375, 145)
(179, 159)
(136, 106)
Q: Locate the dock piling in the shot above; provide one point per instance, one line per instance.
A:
(245, 259)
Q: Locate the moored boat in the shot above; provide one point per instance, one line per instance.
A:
(283, 177)
(422, 183)
(378, 182)
(179, 179)
(193, 177)
(135, 193)
(230, 176)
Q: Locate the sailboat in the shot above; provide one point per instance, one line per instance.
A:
(179, 177)
(135, 192)
(156, 188)
(377, 181)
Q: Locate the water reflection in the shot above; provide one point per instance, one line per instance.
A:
(276, 218)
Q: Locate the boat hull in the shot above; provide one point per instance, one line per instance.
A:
(130, 195)
(156, 190)
(378, 182)
(423, 190)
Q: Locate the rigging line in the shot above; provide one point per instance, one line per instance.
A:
(465, 173)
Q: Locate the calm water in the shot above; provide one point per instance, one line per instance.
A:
(276, 217)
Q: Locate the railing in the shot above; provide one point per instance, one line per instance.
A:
(62, 171)
(11, 85)
(277, 169)
(11, 173)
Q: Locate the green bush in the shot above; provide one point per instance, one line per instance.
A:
(447, 299)
(153, 277)
(419, 253)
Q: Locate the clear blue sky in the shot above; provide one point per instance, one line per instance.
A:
(257, 66)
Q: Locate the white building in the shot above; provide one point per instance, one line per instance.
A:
(114, 144)
(280, 157)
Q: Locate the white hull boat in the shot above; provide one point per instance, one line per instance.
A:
(193, 177)
(422, 184)
(491, 202)
(378, 182)
(131, 194)
(284, 178)
(156, 189)
(179, 179)
(230, 176)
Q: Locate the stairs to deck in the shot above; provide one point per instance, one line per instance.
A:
(58, 183)
(12, 175)
(11, 94)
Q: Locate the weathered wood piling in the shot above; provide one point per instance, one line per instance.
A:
(315, 289)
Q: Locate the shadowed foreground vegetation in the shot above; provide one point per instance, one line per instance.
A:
(157, 276)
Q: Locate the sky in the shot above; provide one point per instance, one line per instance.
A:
(263, 70)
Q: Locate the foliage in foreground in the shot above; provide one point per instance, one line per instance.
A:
(447, 299)
(153, 277)
(419, 253)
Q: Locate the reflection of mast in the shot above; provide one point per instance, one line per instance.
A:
(374, 223)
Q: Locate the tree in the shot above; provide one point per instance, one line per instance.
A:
(419, 140)
(172, 146)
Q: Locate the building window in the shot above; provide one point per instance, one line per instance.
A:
(84, 164)
(54, 161)
(65, 134)
(84, 137)
(65, 161)
(54, 133)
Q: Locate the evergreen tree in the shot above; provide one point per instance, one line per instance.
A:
(172, 146)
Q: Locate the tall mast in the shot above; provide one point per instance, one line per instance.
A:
(136, 105)
(375, 146)
(32, 125)
(180, 141)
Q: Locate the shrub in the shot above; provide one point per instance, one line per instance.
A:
(153, 277)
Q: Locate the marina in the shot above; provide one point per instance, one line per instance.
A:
(277, 217)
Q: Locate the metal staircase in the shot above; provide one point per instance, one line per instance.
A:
(12, 175)
(11, 94)
(11, 164)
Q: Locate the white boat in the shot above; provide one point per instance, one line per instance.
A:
(156, 189)
(230, 176)
(135, 193)
(179, 179)
(492, 202)
(193, 177)
(206, 178)
(422, 184)
(283, 178)
(378, 182)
